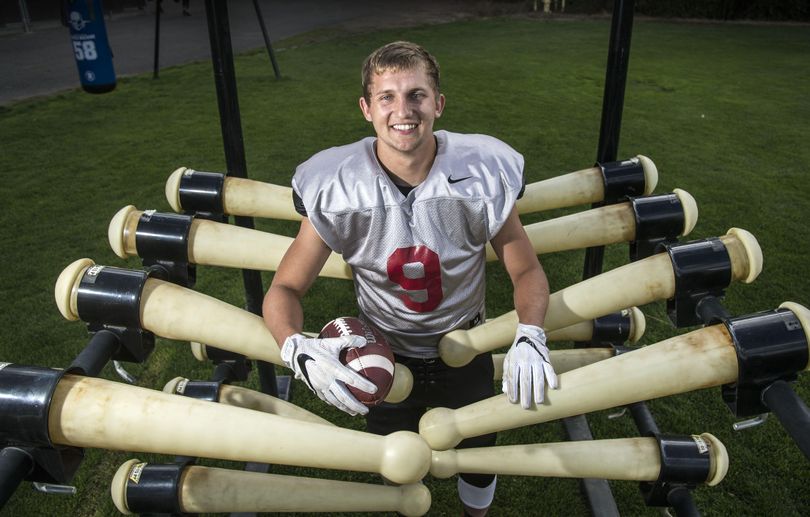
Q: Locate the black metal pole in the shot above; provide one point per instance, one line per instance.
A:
(225, 78)
(612, 106)
(156, 65)
(597, 491)
(682, 502)
(25, 18)
(615, 80)
(97, 353)
(791, 411)
(267, 44)
(15, 464)
(643, 418)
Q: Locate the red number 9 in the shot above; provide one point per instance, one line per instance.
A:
(430, 281)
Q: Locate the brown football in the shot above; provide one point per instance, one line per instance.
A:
(375, 361)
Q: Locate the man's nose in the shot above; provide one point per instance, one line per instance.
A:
(402, 107)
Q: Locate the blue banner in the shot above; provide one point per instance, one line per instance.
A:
(91, 49)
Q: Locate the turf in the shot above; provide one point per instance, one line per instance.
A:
(722, 109)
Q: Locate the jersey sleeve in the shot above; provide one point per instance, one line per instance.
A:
(298, 204)
(311, 198)
(506, 170)
(324, 184)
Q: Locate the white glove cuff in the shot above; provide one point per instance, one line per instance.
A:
(532, 331)
(288, 348)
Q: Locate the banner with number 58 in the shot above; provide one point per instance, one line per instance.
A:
(91, 48)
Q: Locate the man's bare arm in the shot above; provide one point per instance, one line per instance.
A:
(282, 310)
(531, 290)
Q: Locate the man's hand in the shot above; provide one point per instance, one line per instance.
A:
(317, 363)
(527, 367)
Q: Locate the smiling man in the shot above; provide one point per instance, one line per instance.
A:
(411, 211)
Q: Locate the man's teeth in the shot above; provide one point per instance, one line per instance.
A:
(404, 127)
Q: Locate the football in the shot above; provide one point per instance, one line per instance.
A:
(375, 361)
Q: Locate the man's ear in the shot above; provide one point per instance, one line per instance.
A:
(440, 105)
(365, 108)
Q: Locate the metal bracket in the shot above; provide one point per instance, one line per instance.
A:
(123, 373)
(751, 422)
(52, 489)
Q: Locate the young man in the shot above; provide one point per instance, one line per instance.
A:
(411, 211)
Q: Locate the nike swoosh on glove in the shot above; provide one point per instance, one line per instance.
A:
(317, 363)
(527, 367)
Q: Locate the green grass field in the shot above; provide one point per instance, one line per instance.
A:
(723, 110)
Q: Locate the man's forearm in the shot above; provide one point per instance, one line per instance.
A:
(531, 294)
(282, 313)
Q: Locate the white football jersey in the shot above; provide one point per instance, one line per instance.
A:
(418, 261)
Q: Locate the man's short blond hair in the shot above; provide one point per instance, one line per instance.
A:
(395, 56)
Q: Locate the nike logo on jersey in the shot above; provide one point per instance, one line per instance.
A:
(451, 180)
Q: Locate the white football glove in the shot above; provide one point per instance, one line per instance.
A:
(317, 363)
(527, 367)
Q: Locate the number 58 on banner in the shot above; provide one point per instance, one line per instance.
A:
(91, 48)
